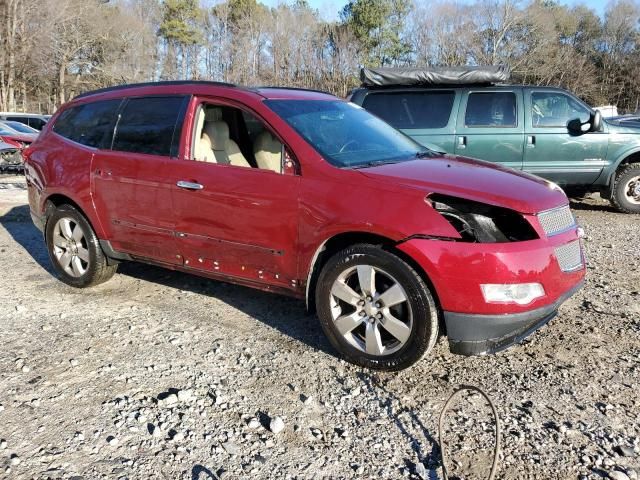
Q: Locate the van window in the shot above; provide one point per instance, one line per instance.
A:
(555, 109)
(430, 109)
(150, 125)
(491, 109)
(37, 123)
(90, 124)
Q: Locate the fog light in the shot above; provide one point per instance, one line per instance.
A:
(520, 293)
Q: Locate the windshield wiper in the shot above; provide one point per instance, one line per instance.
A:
(374, 163)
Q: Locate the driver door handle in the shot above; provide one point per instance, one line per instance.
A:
(189, 185)
(462, 141)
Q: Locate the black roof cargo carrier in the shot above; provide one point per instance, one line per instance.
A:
(387, 77)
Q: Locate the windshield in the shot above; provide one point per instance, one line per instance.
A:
(345, 134)
(21, 127)
(6, 129)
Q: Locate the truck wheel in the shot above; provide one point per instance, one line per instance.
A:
(74, 249)
(375, 309)
(626, 189)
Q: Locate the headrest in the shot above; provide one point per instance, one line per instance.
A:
(267, 143)
(213, 113)
(218, 132)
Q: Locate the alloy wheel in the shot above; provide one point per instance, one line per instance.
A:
(70, 247)
(370, 309)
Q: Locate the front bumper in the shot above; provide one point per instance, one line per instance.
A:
(471, 334)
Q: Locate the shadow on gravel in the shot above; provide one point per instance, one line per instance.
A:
(284, 314)
(579, 204)
(197, 470)
(17, 222)
(431, 459)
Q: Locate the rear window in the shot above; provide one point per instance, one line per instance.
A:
(150, 125)
(407, 110)
(90, 124)
(491, 109)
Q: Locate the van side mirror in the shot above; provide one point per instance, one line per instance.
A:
(596, 121)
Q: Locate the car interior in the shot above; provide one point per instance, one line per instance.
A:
(230, 136)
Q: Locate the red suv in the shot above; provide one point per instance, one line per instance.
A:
(302, 193)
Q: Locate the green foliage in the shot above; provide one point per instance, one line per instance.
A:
(377, 25)
(180, 22)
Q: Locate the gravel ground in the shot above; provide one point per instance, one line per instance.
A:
(157, 374)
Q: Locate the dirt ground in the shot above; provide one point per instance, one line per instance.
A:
(158, 374)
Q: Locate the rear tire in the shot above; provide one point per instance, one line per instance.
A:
(626, 189)
(74, 249)
(375, 309)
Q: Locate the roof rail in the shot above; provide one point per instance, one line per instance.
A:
(292, 88)
(149, 84)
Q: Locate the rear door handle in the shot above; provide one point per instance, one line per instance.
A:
(462, 141)
(189, 185)
(531, 140)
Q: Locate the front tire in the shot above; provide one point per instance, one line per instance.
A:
(74, 249)
(626, 189)
(375, 309)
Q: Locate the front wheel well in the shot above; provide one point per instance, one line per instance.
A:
(344, 240)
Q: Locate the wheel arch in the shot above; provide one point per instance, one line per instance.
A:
(54, 200)
(343, 240)
(626, 158)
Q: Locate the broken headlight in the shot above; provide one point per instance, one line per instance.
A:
(482, 223)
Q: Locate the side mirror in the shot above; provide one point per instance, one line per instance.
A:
(574, 126)
(596, 121)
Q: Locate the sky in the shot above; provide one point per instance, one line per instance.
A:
(329, 9)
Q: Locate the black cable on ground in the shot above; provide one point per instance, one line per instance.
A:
(496, 451)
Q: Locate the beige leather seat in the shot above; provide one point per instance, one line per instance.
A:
(268, 152)
(224, 149)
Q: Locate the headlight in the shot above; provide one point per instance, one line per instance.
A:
(482, 223)
(520, 293)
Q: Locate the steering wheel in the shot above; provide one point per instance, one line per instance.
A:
(346, 145)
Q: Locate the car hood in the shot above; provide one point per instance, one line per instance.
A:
(4, 146)
(474, 180)
(24, 137)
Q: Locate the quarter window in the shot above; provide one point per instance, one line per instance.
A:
(554, 109)
(491, 109)
(430, 109)
(90, 124)
(150, 125)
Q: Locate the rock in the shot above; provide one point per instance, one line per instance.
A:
(422, 471)
(625, 451)
(3, 444)
(1, 407)
(169, 400)
(253, 423)
(15, 459)
(73, 362)
(185, 395)
(231, 448)
(276, 425)
(111, 440)
(26, 369)
(617, 475)
(177, 437)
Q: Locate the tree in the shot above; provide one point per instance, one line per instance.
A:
(180, 30)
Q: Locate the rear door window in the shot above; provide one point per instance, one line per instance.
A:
(406, 110)
(491, 109)
(150, 125)
(90, 124)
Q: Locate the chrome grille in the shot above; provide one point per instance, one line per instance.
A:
(556, 220)
(569, 256)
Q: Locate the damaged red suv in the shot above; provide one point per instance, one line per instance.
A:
(301, 193)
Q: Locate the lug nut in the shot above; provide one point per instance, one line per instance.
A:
(369, 298)
(361, 303)
(378, 305)
(379, 316)
(362, 313)
(371, 319)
